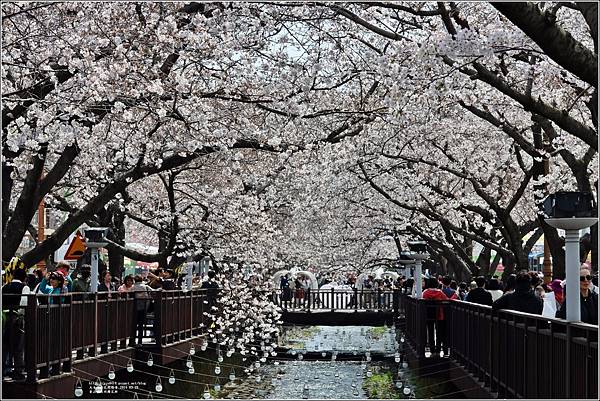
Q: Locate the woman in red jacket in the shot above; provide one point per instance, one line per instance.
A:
(435, 316)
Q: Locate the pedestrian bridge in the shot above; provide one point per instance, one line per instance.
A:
(504, 354)
(338, 307)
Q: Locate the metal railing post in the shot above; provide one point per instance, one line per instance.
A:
(307, 301)
(94, 350)
(31, 320)
(158, 324)
(107, 321)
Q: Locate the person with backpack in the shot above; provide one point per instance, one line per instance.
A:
(142, 301)
(447, 290)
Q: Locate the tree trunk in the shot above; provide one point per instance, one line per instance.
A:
(483, 261)
(25, 209)
(7, 185)
(556, 243)
(509, 262)
(115, 257)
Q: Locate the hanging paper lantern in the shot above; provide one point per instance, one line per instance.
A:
(206, 393)
(111, 372)
(78, 388)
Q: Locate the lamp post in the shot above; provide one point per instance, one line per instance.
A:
(405, 261)
(95, 239)
(418, 254)
(571, 211)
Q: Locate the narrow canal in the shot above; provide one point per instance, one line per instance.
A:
(312, 362)
(323, 362)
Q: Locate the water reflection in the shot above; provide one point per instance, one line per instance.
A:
(318, 380)
(348, 339)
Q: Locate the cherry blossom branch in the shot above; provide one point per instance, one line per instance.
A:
(556, 42)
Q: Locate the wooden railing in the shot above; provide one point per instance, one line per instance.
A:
(60, 329)
(338, 300)
(517, 355)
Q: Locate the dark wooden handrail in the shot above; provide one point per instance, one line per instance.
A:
(515, 354)
(337, 299)
(60, 329)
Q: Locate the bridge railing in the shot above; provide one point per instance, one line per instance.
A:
(60, 329)
(517, 355)
(336, 299)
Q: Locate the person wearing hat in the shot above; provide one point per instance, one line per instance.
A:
(63, 268)
(53, 284)
(82, 282)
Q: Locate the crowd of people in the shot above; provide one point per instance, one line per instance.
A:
(523, 292)
(59, 282)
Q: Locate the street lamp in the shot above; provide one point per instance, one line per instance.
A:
(95, 238)
(571, 211)
(406, 262)
(418, 253)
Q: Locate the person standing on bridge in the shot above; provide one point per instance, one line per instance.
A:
(53, 284)
(588, 300)
(479, 295)
(212, 289)
(82, 282)
(522, 299)
(142, 302)
(284, 285)
(106, 285)
(436, 324)
(493, 287)
(298, 292)
(450, 293)
(13, 334)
